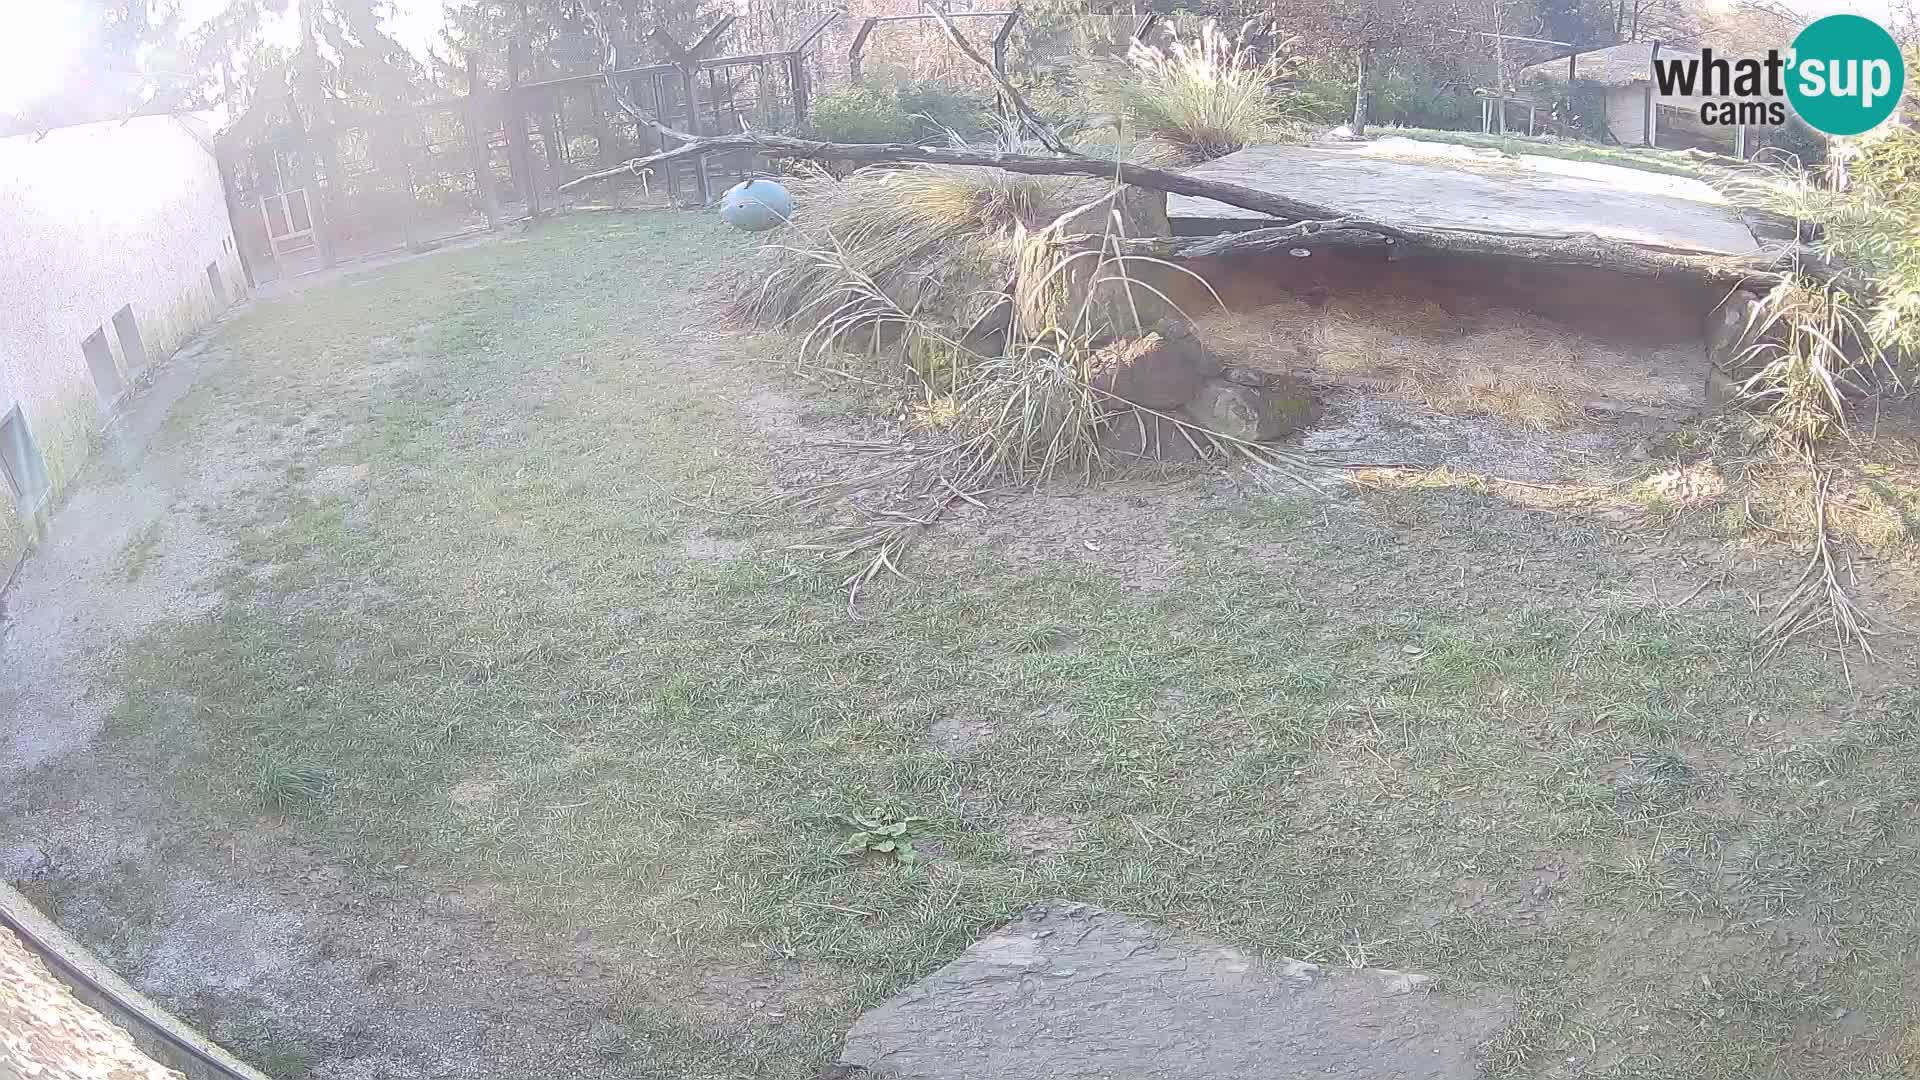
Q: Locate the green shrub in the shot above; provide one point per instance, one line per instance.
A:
(913, 112)
(1405, 93)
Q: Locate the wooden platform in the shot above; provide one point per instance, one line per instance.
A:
(1401, 181)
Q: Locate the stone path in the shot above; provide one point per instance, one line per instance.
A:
(1072, 992)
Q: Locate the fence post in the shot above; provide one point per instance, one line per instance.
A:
(1000, 56)
(857, 52)
(519, 152)
(689, 80)
(797, 79)
(477, 145)
(323, 221)
(1000, 41)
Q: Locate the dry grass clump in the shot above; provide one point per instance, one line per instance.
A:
(960, 284)
(1524, 376)
(1208, 98)
(1523, 369)
(939, 241)
(1873, 500)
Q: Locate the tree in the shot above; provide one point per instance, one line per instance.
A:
(114, 63)
(1587, 24)
(1676, 21)
(1362, 30)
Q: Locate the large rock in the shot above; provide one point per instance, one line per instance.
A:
(1250, 413)
(1728, 328)
(1071, 992)
(1730, 331)
(1162, 369)
(1148, 437)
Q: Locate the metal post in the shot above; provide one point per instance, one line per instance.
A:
(1654, 60)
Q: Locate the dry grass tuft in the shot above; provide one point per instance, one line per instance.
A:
(942, 243)
(939, 241)
(1208, 98)
(1525, 370)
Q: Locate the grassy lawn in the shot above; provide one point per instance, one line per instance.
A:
(487, 634)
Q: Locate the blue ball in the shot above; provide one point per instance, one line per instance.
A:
(756, 205)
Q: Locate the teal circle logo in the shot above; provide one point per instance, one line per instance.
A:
(1845, 75)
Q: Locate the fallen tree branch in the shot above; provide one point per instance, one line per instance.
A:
(1547, 249)
(1314, 224)
(1819, 599)
(1280, 206)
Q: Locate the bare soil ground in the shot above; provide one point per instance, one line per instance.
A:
(394, 705)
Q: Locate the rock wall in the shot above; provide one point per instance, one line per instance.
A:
(96, 218)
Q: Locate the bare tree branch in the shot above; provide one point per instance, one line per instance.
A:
(1028, 116)
(620, 95)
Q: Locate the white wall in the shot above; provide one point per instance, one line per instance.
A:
(92, 218)
(1627, 114)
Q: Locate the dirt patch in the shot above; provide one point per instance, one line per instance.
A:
(1036, 839)
(1124, 530)
(703, 547)
(472, 795)
(341, 481)
(63, 628)
(1366, 428)
(1472, 361)
(962, 733)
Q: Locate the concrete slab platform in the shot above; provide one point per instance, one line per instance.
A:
(1072, 992)
(1404, 182)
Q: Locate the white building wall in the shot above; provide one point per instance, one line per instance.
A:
(1627, 114)
(93, 218)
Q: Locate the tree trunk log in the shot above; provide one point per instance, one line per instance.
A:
(1545, 249)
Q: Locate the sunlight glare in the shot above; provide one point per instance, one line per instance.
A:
(43, 38)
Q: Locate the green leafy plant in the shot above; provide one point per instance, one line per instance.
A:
(876, 833)
(908, 112)
(1811, 346)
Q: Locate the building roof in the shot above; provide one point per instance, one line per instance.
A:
(1625, 64)
(1615, 65)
